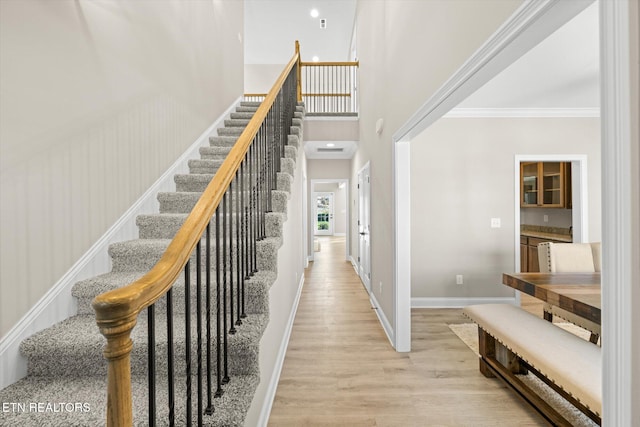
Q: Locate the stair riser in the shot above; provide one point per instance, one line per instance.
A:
(242, 116)
(184, 202)
(141, 258)
(236, 123)
(242, 358)
(158, 227)
(256, 297)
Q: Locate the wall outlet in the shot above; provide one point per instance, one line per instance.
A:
(380, 287)
(545, 218)
(459, 279)
(495, 223)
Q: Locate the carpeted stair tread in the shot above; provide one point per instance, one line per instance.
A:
(143, 254)
(90, 393)
(206, 166)
(243, 115)
(223, 141)
(232, 131)
(236, 122)
(178, 202)
(160, 226)
(192, 182)
(74, 346)
(256, 289)
(214, 152)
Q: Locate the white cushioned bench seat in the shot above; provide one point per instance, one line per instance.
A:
(570, 362)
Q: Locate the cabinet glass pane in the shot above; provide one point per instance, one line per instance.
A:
(530, 184)
(551, 183)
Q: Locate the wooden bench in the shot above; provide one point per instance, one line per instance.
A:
(513, 341)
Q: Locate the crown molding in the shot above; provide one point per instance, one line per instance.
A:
(523, 112)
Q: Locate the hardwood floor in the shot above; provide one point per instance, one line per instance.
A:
(340, 369)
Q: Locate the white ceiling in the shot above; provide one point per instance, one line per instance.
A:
(561, 72)
(271, 28)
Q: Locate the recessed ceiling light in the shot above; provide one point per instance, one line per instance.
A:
(331, 144)
(315, 59)
(314, 13)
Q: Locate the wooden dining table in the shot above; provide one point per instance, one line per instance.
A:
(578, 293)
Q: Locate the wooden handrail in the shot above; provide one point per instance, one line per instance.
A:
(117, 310)
(329, 64)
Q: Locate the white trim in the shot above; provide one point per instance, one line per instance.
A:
(455, 302)
(522, 112)
(386, 326)
(58, 303)
(311, 231)
(270, 394)
(354, 264)
(331, 118)
(530, 24)
(617, 211)
(402, 246)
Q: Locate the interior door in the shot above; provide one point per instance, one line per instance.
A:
(323, 218)
(364, 227)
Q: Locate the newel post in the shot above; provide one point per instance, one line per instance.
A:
(118, 354)
(299, 74)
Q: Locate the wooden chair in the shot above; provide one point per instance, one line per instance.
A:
(570, 258)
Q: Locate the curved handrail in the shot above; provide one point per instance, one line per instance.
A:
(117, 310)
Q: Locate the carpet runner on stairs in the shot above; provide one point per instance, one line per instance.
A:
(66, 382)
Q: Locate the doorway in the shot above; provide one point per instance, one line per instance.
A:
(364, 227)
(323, 218)
(328, 213)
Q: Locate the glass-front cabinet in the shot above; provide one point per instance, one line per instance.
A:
(543, 184)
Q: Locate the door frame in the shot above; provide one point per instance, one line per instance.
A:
(312, 211)
(331, 219)
(366, 283)
(579, 197)
(528, 25)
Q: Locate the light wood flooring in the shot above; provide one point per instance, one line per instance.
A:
(340, 369)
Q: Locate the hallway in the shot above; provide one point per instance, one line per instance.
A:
(340, 369)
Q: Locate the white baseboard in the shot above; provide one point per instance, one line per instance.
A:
(58, 303)
(383, 319)
(458, 302)
(354, 264)
(277, 369)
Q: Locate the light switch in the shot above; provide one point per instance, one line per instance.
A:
(495, 222)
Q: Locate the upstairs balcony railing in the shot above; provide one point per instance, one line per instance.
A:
(327, 88)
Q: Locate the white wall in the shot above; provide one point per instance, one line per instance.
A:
(97, 100)
(407, 50)
(635, 170)
(259, 78)
(283, 299)
(462, 175)
(555, 217)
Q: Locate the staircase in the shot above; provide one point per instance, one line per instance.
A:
(66, 383)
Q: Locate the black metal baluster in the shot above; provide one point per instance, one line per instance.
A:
(210, 409)
(245, 234)
(254, 209)
(232, 329)
(170, 373)
(151, 358)
(199, 324)
(219, 391)
(237, 214)
(187, 327)
(225, 378)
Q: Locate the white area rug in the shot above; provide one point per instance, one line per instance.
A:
(468, 333)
